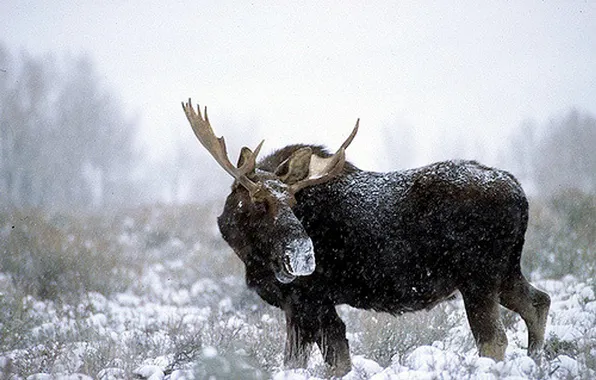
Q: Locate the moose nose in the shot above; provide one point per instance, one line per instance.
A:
(301, 256)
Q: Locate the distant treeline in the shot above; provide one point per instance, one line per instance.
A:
(557, 156)
(65, 142)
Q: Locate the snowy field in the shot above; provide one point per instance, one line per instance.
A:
(153, 293)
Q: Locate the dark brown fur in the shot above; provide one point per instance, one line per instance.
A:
(391, 242)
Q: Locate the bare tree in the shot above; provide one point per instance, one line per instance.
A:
(64, 140)
(557, 156)
(565, 156)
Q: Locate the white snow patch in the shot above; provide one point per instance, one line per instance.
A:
(112, 374)
(150, 372)
(432, 359)
(294, 374)
(203, 286)
(209, 352)
(40, 376)
(126, 299)
(75, 376)
(362, 368)
(566, 367)
(182, 375)
(565, 332)
(226, 306)
(523, 367)
(266, 318)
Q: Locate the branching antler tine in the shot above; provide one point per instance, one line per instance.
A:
(202, 129)
(209, 129)
(348, 141)
(187, 112)
(258, 148)
(337, 164)
(333, 167)
(249, 165)
(340, 155)
(216, 146)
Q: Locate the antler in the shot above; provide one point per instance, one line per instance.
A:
(333, 165)
(217, 147)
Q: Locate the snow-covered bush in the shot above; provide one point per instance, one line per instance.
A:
(227, 365)
(383, 337)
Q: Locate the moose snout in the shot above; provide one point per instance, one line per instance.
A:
(300, 257)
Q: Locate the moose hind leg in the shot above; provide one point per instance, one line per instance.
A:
(482, 310)
(532, 305)
(333, 343)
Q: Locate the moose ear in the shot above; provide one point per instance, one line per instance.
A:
(245, 153)
(296, 167)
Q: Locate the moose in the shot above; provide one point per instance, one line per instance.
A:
(314, 231)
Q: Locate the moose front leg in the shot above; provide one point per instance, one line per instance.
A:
(321, 324)
(332, 341)
(298, 345)
(299, 340)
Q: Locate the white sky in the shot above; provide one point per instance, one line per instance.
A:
(304, 73)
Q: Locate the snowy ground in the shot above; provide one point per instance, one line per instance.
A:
(177, 320)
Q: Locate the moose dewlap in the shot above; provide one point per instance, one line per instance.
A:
(314, 231)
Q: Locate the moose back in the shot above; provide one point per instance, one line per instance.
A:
(314, 231)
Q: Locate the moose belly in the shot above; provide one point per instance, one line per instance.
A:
(393, 293)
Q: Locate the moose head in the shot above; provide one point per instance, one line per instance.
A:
(258, 221)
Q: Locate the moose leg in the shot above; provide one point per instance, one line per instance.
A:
(307, 323)
(332, 341)
(482, 309)
(532, 305)
(299, 340)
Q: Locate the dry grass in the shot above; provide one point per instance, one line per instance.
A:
(561, 236)
(57, 256)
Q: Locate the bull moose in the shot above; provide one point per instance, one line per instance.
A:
(315, 231)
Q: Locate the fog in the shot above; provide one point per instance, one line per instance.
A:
(429, 81)
(112, 264)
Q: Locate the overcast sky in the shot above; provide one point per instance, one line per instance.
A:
(304, 72)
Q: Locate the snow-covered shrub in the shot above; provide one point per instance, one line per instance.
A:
(15, 320)
(383, 336)
(230, 364)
